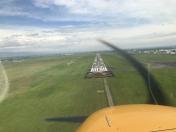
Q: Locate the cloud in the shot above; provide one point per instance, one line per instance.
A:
(158, 10)
(90, 13)
(28, 39)
(84, 39)
(76, 24)
(8, 8)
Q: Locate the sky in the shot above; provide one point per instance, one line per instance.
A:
(75, 25)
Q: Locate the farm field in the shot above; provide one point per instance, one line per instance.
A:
(54, 86)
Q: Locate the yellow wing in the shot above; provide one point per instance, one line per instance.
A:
(132, 118)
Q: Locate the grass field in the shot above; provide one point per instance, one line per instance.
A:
(47, 87)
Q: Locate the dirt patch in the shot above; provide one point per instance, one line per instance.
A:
(70, 63)
(100, 91)
(123, 69)
(163, 64)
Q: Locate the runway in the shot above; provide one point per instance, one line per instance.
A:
(98, 69)
(98, 66)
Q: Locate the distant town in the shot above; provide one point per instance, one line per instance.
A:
(167, 51)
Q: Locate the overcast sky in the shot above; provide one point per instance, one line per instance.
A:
(74, 25)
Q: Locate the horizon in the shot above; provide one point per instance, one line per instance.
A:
(20, 55)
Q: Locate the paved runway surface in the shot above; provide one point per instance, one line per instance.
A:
(98, 65)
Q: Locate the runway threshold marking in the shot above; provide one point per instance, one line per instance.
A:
(108, 93)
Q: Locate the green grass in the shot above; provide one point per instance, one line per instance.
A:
(128, 87)
(47, 87)
(166, 76)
